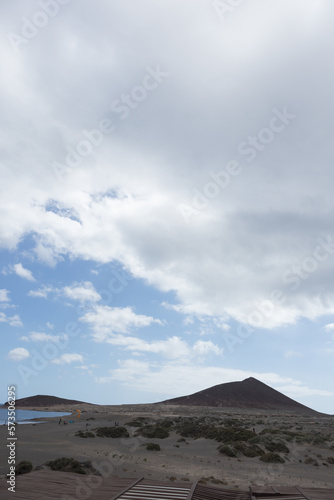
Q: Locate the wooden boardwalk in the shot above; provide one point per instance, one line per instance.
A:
(50, 485)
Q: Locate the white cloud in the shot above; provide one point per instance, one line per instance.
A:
(50, 325)
(22, 272)
(241, 241)
(18, 354)
(173, 347)
(224, 326)
(68, 358)
(130, 369)
(11, 320)
(293, 354)
(44, 337)
(4, 295)
(329, 327)
(106, 321)
(42, 292)
(103, 380)
(298, 391)
(15, 320)
(82, 292)
(86, 367)
(202, 348)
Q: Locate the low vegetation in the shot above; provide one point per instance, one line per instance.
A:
(152, 447)
(112, 432)
(212, 479)
(237, 436)
(65, 464)
(311, 461)
(248, 450)
(277, 447)
(226, 450)
(198, 430)
(272, 458)
(156, 431)
(23, 467)
(137, 422)
(85, 434)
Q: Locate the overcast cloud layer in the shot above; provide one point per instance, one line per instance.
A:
(189, 143)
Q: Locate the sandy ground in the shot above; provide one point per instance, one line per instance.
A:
(191, 460)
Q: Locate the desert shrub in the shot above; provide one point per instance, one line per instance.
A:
(66, 465)
(212, 479)
(23, 467)
(234, 434)
(166, 422)
(226, 434)
(257, 439)
(226, 450)
(298, 437)
(311, 461)
(189, 429)
(215, 480)
(153, 432)
(137, 422)
(211, 432)
(272, 458)
(232, 422)
(277, 446)
(89, 469)
(270, 430)
(249, 450)
(86, 434)
(304, 438)
(319, 440)
(179, 420)
(153, 447)
(112, 432)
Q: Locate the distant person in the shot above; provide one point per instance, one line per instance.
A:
(59, 421)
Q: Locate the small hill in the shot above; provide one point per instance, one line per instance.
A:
(250, 393)
(44, 401)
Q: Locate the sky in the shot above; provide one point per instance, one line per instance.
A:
(166, 208)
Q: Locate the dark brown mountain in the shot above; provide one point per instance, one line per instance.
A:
(44, 401)
(248, 394)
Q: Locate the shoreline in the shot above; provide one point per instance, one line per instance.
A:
(29, 419)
